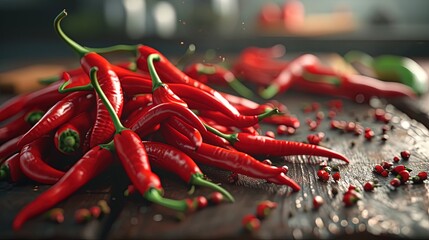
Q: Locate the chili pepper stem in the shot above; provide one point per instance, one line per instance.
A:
(268, 114)
(156, 81)
(269, 92)
(69, 141)
(3, 174)
(197, 179)
(76, 47)
(232, 138)
(62, 88)
(240, 88)
(155, 196)
(116, 121)
(114, 48)
(48, 80)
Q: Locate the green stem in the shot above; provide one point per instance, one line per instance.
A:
(62, 88)
(156, 81)
(76, 47)
(268, 114)
(269, 92)
(116, 121)
(154, 195)
(189, 52)
(197, 179)
(115, 48)
(69, 141)
(240, 88)
(4, 172)
(231, 138)
(33, 117)
(49, 80)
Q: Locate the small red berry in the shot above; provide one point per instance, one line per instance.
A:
(350, 198)
(396, 159)
(386, 165)
(282, 129)
(369, 135)
(378, 168)
(202, 202)
(251, 223)
(56, 215)
(313, 139)
(403, 175)
(323, 175)
(313, 125)
(368, 186)
(215, 198)
(264, 208)
(351, 126)
(82, 215)
(95, 211)
(405, 155)
(395, 182)
(384, 173)
(351, 188)
(291, 130)
(336, 176)
(317, 202)
(399, 168)
(423, 175)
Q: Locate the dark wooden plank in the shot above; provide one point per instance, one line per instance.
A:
(382, 213)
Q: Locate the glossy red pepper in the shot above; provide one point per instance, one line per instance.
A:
(263, 145)
(283, 119)
(189, 131)
(234, 161)
(70, 136)
(135, 103)
(22, 123)
(11, 169)
(88, 167)
(103, 128)
(32, 164)
(46, 96)
(171, 159)
(218, 75)
(133, 157)
(242, 122)
(59, 114)
(8, 148)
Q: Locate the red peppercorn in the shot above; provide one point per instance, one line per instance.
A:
(399, 168)
(332, 114)
(215, 198)
(369, 135)
(282, 129)
(270, 134)
(320, 115)
(323, 175)
(378, 168)
(82, 215)
(395, 182)
(386, 165)
(251, 223)
(350, 198)
(351, 188)
(384, 173)
(396, 159)
(368, 186)
(291, 130)
(403, 175)
(350, 127)
(56, 215)
(313, 125)
(202, 202)
(336, 176)
(420, 177)
(313, 139)
(264, 208)
(95, 211)
(317, 202)
(405, 155)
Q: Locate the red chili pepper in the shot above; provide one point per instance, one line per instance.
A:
(283, 119)
(241, 122)
(229, 160)
(46, 96)
(8, 148)
(34, 167)
(263, 145)
(216, 74)
(103, 127)
(11, 169)
(154, 114)
(190, 132)
(89, 166)
(134, 159)
(137, 102)
(20, 125)
(70, 136)
(174, 160)
(58, 114)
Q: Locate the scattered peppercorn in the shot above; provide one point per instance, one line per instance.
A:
(395, 182)
(369, 135)
(405, 155)
(420, 177)
(282, 129)
(336, 176)
(202, 202)
(82, 215)
(317, 202)
(403, 175)
(386, 165)
(55, 215)
(95, 211)
(251, 223)
(385, 173)
(264, 208)
(323, 175)
(396, 159)
(369, 186)
(215, 198)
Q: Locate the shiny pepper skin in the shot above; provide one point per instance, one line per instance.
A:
(216, 198)
(395, 182)
(202, 202)
(405, 155)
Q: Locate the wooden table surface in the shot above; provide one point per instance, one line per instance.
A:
(381, 214)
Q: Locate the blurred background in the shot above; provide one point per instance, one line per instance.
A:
(227, 26)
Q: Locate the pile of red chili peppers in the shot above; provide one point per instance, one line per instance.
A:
(155, 115)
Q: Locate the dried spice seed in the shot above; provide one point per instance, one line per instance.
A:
(264, 208)
(385, 173)
(403, 175)
(251, 223)
(405, 155)
(202, 202)
(323, 175)
(369, 135)
(215, 198)
(396, 159)
(395, 182)
(313, 139)
(336, 176)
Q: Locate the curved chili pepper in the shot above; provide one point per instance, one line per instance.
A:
(33, 166)
(103, 127)
(20, 125)
(216, 74)
(70, 136)
(88, 167)
(242, 122)
(174, 160)
(263, 145)
(137, 101)
(46, 96)
(8, 148)
(133, 156)
(189, 131)
(154, 114)
(58, 114)
(234, 161)
(284, 119)
(11, 169)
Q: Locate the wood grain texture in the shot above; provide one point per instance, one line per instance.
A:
(383, 213)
